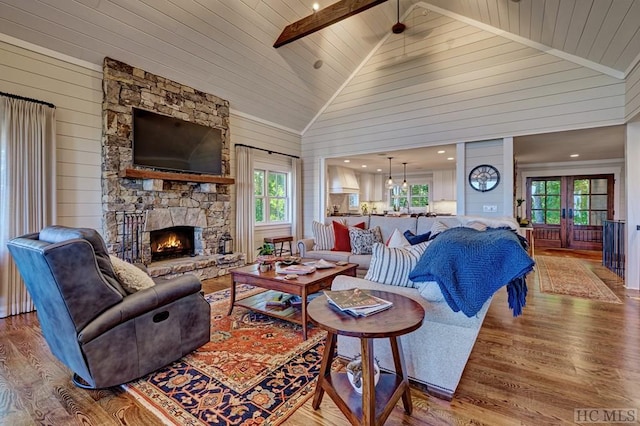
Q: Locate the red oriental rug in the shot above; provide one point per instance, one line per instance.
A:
(255, 370)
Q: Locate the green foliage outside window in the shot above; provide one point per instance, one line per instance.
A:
(545, 202)
(413, 196)
(271, 200)
(589, 201)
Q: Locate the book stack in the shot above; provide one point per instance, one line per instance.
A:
(356, 302)
(279, 301)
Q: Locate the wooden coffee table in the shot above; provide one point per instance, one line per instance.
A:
(302, 286)
(405, 316)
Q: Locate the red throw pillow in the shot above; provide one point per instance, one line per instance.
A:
(341, 233)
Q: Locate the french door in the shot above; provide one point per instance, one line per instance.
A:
(569, 211)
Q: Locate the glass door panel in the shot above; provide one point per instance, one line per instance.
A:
(569, 211)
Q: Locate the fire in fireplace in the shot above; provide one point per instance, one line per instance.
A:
(177, 241)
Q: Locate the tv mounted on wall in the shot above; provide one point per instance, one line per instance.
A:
(168, 143)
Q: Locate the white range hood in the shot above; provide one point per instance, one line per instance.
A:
(342, 180)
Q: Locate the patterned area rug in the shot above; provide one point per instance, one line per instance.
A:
(571, 277)
(255, 370)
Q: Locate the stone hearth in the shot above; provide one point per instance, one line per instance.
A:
(163, 203)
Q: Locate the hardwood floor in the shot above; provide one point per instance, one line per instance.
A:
(563, 353)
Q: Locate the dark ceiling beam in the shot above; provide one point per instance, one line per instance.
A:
(323, 18)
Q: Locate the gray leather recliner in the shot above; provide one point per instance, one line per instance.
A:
(104, 335)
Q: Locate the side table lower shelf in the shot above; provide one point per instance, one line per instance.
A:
(386, 389)
(366, 408)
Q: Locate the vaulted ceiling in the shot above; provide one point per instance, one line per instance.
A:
(225, 47)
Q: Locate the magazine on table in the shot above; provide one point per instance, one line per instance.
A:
(357, 302)
(296, 269)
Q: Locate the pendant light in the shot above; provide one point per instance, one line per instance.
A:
(404, 183)
(390, 181)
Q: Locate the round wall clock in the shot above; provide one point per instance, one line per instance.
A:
(484, 178)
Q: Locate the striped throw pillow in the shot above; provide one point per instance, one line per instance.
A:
(323, 235)
(392, 265)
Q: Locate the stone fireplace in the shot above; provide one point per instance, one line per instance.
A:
(164, 202)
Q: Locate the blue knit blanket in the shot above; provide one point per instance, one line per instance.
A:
(470, 266)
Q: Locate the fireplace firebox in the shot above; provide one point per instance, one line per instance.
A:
(177, 241)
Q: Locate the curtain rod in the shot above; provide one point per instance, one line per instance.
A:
(9, 95)
(267, 150)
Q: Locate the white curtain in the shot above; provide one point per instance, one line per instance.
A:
(296, 216)
(27, 187)
(244, 202)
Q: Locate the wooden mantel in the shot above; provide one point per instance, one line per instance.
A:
(183, 177)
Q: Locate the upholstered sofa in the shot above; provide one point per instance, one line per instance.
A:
(417, 225)
(435, 354)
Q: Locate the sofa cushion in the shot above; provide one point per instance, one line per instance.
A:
(362, 240)
(437, 228)
(323, 235)
(491, 222)
(434, 312)
(341, 236)
(425, 223)
(130, 276)
(330, 255)
(430, 290)
(477, 225)
(397, 239)
(363, 260)
(392, 266)
(389, 224)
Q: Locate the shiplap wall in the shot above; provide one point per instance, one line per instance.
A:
(486, 152)
(446, 82)
(632, 174)
(77, 93)
(249, 131)
(632, 107)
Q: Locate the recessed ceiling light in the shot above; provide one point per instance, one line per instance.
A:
(574, 155)
(347, 161)
(315, 6)
(442, 151)
(364, 166)
(378, 170)
(450, 158)
(318, 64)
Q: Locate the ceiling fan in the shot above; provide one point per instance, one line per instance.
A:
(398, 27)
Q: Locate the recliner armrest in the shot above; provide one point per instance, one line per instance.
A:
(139, 303)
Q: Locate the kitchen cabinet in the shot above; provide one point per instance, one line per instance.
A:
(444, 185)
(370, 187)
(378, 188)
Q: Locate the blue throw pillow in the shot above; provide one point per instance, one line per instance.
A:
(416, 239)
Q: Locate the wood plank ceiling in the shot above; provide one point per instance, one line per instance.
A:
(225, 47)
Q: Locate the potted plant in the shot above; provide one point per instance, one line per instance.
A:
(354, 373)
(265, 256)
(519, 202)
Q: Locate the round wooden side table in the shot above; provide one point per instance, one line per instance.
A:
(405, 316)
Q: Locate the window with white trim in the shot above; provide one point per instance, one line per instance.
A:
(272, 193)
(412, 196)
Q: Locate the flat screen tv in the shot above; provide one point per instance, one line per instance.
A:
(168, 143)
